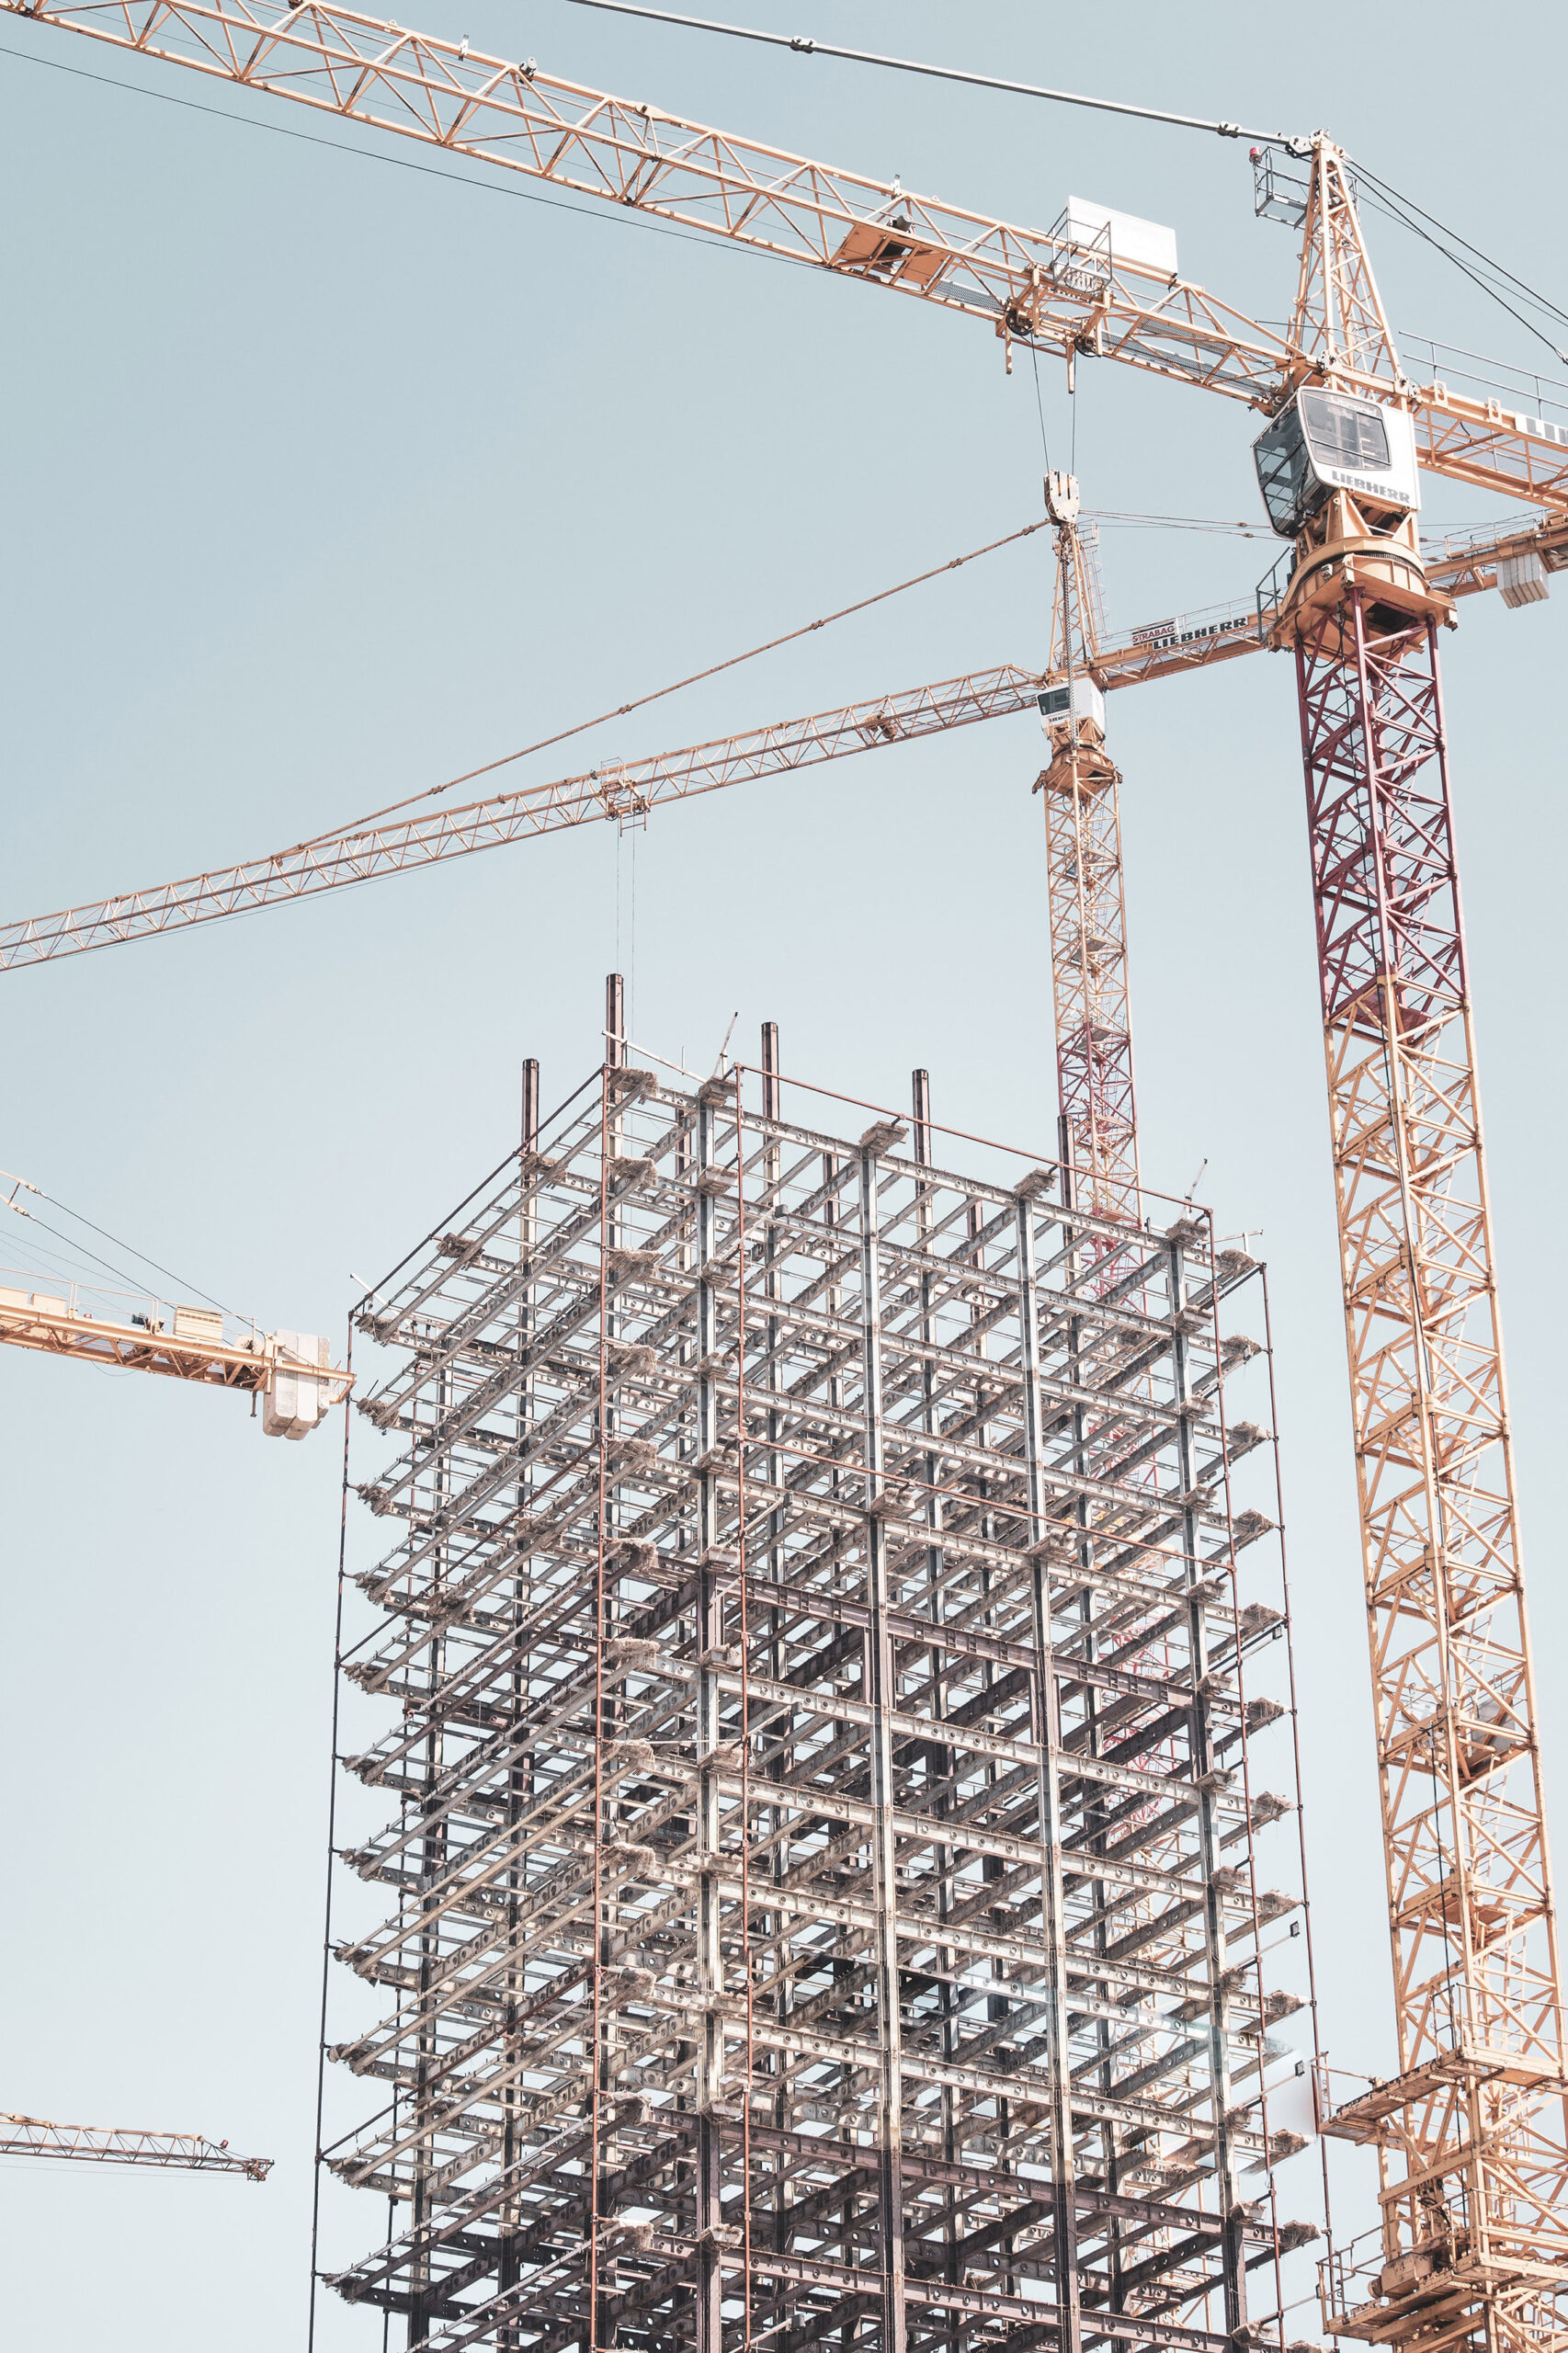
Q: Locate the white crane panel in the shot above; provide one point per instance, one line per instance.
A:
(295, 1398)
(1140, 244)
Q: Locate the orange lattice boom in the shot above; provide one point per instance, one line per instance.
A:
(1026, 285)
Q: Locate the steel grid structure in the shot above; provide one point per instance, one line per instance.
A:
(819, 1675)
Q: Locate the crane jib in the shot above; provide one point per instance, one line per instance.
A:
(1042, 287)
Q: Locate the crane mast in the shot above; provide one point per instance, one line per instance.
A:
(1472, 2247)
(1087, 916)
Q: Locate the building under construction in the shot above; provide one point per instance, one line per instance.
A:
(832, 1686)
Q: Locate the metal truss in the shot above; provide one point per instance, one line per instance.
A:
(1088, 913)
(182, 1343)
(1474, 2245)
(31, 2136)
(820, 1676)
(628, 791)
(1338, 323)
(1032, 285)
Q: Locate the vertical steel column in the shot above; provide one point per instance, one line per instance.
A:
(606, 1812)
(771, 1090)
(883, 1696)
(1470, 1888)
(603, 2331)
(709, 1637)
(530, 1107)
(1084, 1543)
(772, 1095)
(1232, 2240)
(1063, 2183)
(432, 1861)
(519, 1777)
(615, 1020)
(920, 1105)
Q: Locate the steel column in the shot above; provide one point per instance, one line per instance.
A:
(882, 1695)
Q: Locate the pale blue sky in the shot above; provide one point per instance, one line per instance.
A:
(322, 481)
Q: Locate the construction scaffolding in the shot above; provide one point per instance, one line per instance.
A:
(824, 1675)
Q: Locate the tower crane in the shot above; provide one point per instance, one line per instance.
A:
(1471, 2134)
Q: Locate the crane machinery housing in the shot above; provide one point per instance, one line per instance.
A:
(1470, 2134)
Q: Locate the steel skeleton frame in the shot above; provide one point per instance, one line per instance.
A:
(816, 1685)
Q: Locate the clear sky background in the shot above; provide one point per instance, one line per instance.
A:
(325, 480)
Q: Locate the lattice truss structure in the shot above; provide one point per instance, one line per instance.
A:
(821, 1678)
(1472, 2132)
(1088, 915)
